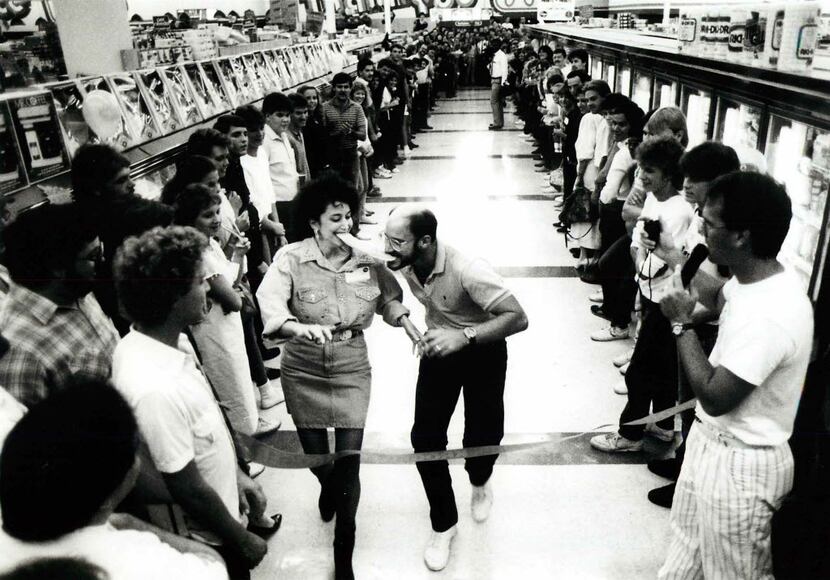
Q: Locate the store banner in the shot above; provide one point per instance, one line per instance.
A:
(36, 126)
(12, 174)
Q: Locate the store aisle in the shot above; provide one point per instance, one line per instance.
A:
(559, 512)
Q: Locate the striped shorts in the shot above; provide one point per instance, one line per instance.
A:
(723, 504)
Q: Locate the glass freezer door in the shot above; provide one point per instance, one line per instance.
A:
(641, 90)
(696, 104)
(737, 124)
(799, 157)
(665, 93)
(596, 67)
(609, 74)
(624, 81)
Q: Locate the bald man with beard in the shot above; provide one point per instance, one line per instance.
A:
(469, 313)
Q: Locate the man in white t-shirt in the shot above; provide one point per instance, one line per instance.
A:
(738, 466)
(160, 283)
(65, 466)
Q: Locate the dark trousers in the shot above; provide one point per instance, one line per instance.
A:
(615, 271)
(568, 178)
(611, 224)
(478, 370)
(285, 213)
(651, 377)
(237, 569)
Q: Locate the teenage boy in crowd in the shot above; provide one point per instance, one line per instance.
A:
(161, 286)
(51, 319)
(345, 125)
(102, 187)
(258, 178)
(469, 313)
(282, 163)
(738, 465)
(498, 77)
(65, 466)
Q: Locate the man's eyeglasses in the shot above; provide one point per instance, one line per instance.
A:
(394, 242)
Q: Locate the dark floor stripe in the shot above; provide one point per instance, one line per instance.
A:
(457, 100)
(463, 131)
(467, 113)
(427, 198)
(537, 271)
(491, 156)
(573, 452)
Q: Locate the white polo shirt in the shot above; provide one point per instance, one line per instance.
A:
(177, 415)
(282, 165)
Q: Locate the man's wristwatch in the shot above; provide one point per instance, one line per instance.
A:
(678, 328)
(471, 334)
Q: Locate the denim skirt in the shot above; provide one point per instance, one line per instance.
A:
(327, 385)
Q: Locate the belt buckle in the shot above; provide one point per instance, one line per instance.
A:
(345, 335)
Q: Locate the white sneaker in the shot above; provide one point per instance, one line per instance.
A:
(665, 435)
(407, 152)
(255, 469)
(596, 297)
(264, 427)
(624, 369)
(615, 443)
(624, 358)
(437, 553)
(482, 502)
(395, 170)
(270, 396)
(621, 388)
(610, 333)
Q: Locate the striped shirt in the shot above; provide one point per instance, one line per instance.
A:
(51, 343)
(345, 126)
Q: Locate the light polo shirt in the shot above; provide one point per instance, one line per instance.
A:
(282, 165)
(460, 291)
(177, 415)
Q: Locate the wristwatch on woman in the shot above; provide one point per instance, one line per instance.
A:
(471, 334)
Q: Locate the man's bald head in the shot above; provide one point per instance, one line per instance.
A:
(419, 220)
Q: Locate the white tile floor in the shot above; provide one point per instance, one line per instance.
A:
(558, 514)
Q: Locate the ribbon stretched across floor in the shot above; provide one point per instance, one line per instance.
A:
(273, 457)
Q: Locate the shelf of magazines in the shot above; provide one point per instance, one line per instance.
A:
(46, 126)
(143, 113)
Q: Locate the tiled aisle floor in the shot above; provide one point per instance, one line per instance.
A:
(564, 512)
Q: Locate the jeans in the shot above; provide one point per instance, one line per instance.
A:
(496, 103)
(652, 373)
(478, 370)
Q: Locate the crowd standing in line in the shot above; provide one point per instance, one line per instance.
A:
(169, 301)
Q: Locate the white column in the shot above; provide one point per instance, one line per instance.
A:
(387, 16)
(666, 12)
(93, 33)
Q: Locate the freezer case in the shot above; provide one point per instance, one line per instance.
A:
(696, 105)
(799, 157)
(738, 124)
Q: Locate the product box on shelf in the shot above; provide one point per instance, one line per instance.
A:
(215, 86)
(267, 76)
(225, 72)
(34, 119)
(160, 101)
(253, 74)
(12, 171)
(69, 103)
(198, 88)
(134, 107)
(183, 99)
(247, 90)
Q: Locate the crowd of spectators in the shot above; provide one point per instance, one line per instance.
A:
(158, 298)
